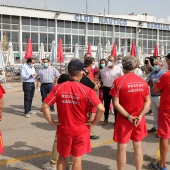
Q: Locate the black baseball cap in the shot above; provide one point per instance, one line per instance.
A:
(168, 56)
(75, 65)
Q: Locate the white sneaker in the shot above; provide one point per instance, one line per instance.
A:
(48, 166)
(27, 115)
(32, 112)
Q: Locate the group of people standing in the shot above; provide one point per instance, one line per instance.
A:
(86, 93)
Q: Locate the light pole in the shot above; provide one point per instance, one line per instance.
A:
(86, 6)
(108, 7)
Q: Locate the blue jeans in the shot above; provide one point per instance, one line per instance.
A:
(45, 90)
(29, 89)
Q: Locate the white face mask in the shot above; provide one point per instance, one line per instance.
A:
(109, 64)
(93, 66)
(119, 61)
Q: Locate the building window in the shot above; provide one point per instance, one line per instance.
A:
(6, 19)
(25, 21)
(34, 21)
(60, 23)
(25, 36)
(43, 22)
(15, 20)
(51, 23)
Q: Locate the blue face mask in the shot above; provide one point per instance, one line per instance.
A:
(156, 68)
(102, 65)
(45, 65)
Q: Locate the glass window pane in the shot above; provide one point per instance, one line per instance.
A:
(51, 29)
(25, 21)
(128, 29)
(81, 40)
(34, 28)
(6, 26)
(15, 19)
(133, 30)
(82, 25)
(60, 23)
(51, 23)
(75, 39)
(67, 39)
(7, 35)
(15, 37)
(35, 47)
(67, 24)
(90, 26)
(90, 40)
(96, 41)
(6, 19)
(116, 28)
(15, 46)
(60, 36)
(43, 38)
(51, 37)
(60, 30)
(42, 22)
(43, 29)
(67, 30)
(25, 36)
(26, 28)
(154, 32)
(75, 25)
(122, 29)
(34, 21)
(81, 31)
(97, 27)
(15, 27)
(109, 28)
(75, 31)
(34, 37)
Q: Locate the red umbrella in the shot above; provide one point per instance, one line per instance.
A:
(89, 49)
(60, 55)
(28, 52)
(114, 50)
(133, 49)
(155, 53)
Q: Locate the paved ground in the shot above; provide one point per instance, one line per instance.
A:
(28, 142)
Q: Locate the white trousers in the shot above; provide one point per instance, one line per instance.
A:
(154, 106)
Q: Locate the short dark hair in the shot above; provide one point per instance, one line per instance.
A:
(88, 61)
(46, 59)
(29, 60)
(86, 54)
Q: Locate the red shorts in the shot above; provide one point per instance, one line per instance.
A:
(73, 145)
(124, 130)
(164, 124)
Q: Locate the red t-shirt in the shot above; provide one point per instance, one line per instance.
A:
(2, 91)
(90, 75)
(131, 91)
(163, 85)
(73, 101)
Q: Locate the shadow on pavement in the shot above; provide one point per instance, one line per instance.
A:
(44, 126)
(18, 151)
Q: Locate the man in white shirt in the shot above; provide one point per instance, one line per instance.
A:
(108, 75)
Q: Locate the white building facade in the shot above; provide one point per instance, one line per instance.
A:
(18, 24)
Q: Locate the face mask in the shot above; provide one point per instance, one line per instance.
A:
(93, 66)
(156, 68)
(45, 65)
(109, 64)
(119, 61)
(102, 65)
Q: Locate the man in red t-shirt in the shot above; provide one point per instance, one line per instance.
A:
(2, 92)
(163, 87)
(73, 101)
(131, 99)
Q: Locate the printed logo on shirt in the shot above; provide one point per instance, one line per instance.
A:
(135, 87)
(68, 98)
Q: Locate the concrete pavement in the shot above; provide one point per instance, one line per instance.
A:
(28, 141)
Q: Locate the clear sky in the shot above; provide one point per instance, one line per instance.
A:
(158, 8)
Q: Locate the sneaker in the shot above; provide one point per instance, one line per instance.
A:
(32, 112)
(154, 165)
(152, 130)
(27, 115)
(164, 168)
(105, 122)
(94, 137)
(48, 166)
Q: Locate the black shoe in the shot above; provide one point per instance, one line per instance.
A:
(154, 165)
(52, 109)
(152, 130)
(94, 137)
